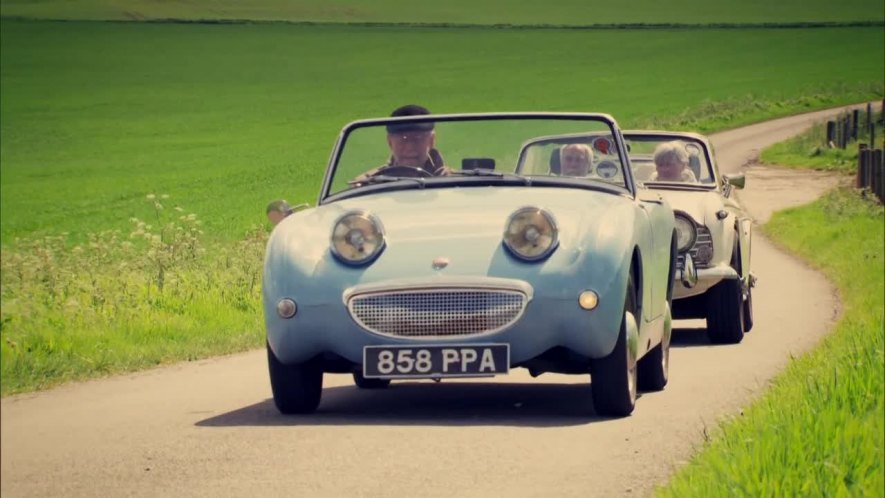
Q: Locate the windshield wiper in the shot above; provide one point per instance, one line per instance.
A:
(490, 173)
(376, 179)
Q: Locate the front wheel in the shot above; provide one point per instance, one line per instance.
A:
(748, 310)
(725, 314)
(614, 377)
(654, 368)
(296, 388)
(725, 305)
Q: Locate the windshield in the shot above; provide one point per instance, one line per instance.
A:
(670, 159)
(510, 148)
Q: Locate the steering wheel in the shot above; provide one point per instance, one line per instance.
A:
(404, 171)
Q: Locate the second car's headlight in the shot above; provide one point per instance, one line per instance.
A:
(357, 238)
(531, 233)
(686, 233)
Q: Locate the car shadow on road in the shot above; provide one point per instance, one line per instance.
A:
(686, 337)
(448, 403)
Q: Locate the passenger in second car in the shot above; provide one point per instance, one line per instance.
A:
(575, 159)
(671, 164)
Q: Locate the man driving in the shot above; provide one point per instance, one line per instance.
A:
(412, 151)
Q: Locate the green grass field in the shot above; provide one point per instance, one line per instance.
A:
(567, 12)
(819, 430)
(100, 121)
(94, 116)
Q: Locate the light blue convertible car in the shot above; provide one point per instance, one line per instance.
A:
(448, 246)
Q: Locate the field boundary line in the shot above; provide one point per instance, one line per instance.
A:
(454, 25)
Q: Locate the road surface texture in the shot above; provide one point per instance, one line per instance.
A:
(209, 428)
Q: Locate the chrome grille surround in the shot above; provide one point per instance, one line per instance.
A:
(704, 238)
(432, 313)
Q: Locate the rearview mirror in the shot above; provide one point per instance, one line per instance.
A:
(469, 163)
(736, 181)
(279, 209)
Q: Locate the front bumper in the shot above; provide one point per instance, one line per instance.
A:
(551, 317)
(706, 278)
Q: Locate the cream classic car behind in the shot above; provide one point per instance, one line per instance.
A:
(714, 234)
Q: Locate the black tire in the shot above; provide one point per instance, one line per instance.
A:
(296, 388)
(364, 383)
(613, 378)
(653, 370)
(725, 306)
(748, 311)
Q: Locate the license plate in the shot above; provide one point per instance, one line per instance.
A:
(469, 360)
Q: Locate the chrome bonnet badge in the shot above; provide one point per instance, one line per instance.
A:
(440, 263)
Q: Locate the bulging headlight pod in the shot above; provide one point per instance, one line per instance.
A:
(531, 233)
(357, 238)
(686, 233)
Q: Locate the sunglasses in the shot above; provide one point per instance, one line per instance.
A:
(411, 137)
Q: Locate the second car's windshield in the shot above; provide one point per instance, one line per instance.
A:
(574, 147)
(670, 159)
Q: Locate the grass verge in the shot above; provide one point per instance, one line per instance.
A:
(818, 431)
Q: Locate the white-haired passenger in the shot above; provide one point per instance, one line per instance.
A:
(575, 159)
(671, 164)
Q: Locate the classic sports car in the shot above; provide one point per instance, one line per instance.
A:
(490, 263)
(714, 234)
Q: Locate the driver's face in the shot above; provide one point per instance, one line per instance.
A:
(574, 163)
(411, 148)
(670, 170)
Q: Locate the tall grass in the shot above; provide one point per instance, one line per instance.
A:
(121, 302)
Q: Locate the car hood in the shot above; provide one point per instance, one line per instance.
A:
(462, 225)
(700, 205)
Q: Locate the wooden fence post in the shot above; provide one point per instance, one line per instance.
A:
(855, 116)
(863, 160)
(831, 133)
(845, 132)
(878, 174)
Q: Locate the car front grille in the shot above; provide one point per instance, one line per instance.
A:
(702, 250)
(430, 313)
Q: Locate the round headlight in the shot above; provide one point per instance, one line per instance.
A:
(686, 233)
(531, 233)
(357, 238)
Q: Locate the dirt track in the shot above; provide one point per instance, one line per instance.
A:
(210, 428)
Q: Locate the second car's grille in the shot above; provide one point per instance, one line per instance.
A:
(437, 312)
(702, 250)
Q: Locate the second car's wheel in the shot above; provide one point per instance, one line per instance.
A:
(653, 370)
(725, 306)
(364, 383)
(296, 388)
(613, 378)
(748, 310)
(725, 314)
